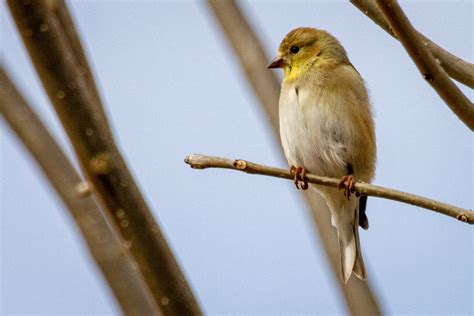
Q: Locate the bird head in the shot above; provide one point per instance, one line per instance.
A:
(305, 48)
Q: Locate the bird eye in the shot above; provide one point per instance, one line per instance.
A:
(294, 49)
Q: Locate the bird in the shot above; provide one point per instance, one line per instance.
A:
(327, 128)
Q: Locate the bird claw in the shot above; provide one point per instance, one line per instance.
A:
(347, 183)
(299, 177)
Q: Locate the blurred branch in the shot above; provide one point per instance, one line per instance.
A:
(457, 68)
(202, 162)
(81, 115)
(115, 262)
(60, 11)
(427, 65)
(357, 294)
(251, 56)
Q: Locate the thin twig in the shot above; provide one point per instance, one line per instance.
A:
(358, 296)
(197, 161)
(457, 68)
(80, 114)
(432, 72)
(105, 246)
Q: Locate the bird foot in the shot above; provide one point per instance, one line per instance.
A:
(299, 177)
(347, 183)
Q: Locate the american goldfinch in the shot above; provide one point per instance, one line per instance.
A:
(327, 128)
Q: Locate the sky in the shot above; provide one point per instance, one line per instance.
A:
(171, 86)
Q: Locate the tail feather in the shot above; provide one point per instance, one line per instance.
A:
(359, 267)
(348, 255)
(351, 255)
(345, 218)
(363, 220)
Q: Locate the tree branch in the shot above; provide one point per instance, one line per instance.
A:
(197, 161)
(432, 72)
(81, 115)
(458, 69)
(61, 14)
(251, 56)
(105, 246)
(357, 294)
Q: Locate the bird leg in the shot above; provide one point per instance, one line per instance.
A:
(347, 183)
(299, 177)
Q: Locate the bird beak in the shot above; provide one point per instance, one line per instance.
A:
(278, 62)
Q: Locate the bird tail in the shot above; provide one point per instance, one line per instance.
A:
(345, 218)
(349, 244)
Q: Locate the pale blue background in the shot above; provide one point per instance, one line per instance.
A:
(171, 87)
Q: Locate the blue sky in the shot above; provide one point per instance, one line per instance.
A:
(171, 86)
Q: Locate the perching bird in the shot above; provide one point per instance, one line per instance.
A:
(327, 129)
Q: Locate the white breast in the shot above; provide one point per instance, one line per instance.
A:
(313, 133)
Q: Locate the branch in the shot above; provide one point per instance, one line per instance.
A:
(426, 63)
(251, 56)
(84, 122)
(359, 298)
(61, 13)
(105, 246)
(457, 68)
(197, 161)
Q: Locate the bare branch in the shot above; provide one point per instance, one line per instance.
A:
(359, 298)
(61, 13)
(100, 158)
(251, 56)
(105, 246)
(457, 68)
(197, 161)
(426, 63)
